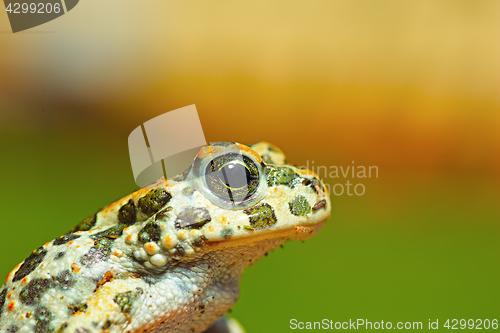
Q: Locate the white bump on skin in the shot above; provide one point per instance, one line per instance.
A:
(137, 255)
(183, 234)
(195, 232)
(158, 260)
(143, 254)
(169, 241)
(151, 248)
(27, 329)
(131, 239)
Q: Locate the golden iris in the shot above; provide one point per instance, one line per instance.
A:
(232, 177)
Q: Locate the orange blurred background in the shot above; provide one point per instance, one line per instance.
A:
(412, 87)
(411, 84)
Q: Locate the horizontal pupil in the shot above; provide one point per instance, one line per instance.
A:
(232, 177)
(235, 175)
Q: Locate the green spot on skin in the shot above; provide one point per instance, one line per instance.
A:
(226, 233)
(107, 324)
(143, 237)
(100, 252)
(65, 239)
(151, 232)
(192, 218)
(60, 255)
(281, 176)
(249, 228)
(199, 240)
(128, 213)
(188, 191)
(126, 300)
(3, 295)
(110, 233)
(153, 201)
(261, 216)
(85, 225)
(82, 307)
(102, 245)
(179, 250)
(43, 317)
(299, 206)
(33, 292)
(30, 264)
(65, 280)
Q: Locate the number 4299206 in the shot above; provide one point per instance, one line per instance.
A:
(479, 324)
(38, 8)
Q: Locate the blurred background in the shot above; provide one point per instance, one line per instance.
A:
(410, 87)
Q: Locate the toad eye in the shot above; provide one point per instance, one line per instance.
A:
(229, 175)
(232, 177)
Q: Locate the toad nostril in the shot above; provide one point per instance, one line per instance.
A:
(315, 184)
(320, 204)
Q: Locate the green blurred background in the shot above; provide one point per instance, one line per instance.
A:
(410, 87)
